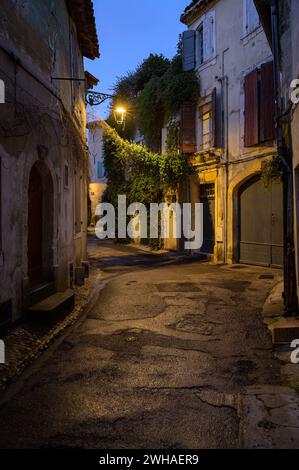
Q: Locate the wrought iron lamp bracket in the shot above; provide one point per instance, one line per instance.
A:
(94, 98)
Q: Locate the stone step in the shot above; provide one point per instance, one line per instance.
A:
(41, 292)
(284, 331)
(57, 305)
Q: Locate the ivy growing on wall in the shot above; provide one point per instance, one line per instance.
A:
(271, 170)
(153, 96)
(162, 98)
(133, 170)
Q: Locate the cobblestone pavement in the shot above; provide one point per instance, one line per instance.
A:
(26, 340)
(171, 356)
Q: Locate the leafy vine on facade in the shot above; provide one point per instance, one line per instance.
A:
(143, 176)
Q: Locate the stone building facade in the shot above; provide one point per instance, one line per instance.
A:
(97, 176)
(232, 132)
(280, 22)
(43, 151)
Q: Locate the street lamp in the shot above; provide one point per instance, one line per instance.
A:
(120, 115)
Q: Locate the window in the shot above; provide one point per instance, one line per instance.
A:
(259, 109)
(199, 46)
(207, 116)
(207, 191)
(251, 17)
(206, 130)
(205, 39)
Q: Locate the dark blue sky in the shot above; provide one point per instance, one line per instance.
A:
(129, 31)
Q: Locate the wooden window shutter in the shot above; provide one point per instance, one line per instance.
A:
(189, 50)
(214, 119)
(209, 36)
(267, 102)
(188, 128)
(252, 134)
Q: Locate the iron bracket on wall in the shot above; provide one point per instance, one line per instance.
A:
(94, 98)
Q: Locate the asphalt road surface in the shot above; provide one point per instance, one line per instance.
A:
(158, 363)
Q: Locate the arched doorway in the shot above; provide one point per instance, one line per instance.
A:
(261, 223)
(40, 224)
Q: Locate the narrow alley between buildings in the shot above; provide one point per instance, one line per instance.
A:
(174, 354)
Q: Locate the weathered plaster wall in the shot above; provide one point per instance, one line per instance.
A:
(43, 120)
(235, 56)
(97, 186)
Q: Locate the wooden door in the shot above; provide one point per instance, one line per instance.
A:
(207, 198)
(35, 201)
(261, 223)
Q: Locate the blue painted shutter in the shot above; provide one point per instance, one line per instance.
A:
(209, 36)
(189, 50)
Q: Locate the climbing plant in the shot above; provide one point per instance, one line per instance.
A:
(153, 95)
(162, 98)
(271, 170)
(143, 176)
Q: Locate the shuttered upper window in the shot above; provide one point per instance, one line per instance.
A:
(268, 102)
(251, 17)
(252, 133)
(199, 46)
(259, 108)
(205, 39)
(188, 129)
(208, 126)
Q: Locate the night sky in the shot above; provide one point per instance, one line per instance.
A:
(129, 31)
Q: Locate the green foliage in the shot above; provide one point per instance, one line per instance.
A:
(271, 170)
(141, 175)
(156, 65)
(173, 137)
(178, 89)
(162, 99)
(153, 94)
(150, 113)
(128, 87)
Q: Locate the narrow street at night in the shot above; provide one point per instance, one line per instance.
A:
(149, 232)
(162, 360)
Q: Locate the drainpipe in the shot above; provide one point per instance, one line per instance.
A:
(225, 136)
(285, 154)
